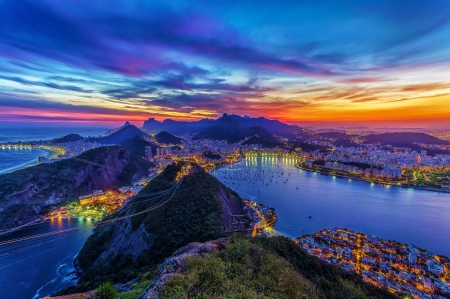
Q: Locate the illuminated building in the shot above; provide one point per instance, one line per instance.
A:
(96, 195)
(148, 153)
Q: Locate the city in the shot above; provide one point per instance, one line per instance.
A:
(211, 149)
(401, 268)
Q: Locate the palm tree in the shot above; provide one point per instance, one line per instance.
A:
(106, 291)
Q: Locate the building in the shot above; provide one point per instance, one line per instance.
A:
(133, 190)
(96, 195)
(148, 153)
(445, 184)
(435, 267)
(43, 159)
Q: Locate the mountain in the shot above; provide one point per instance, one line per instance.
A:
(264, 142)
(153, 246)
(404, 139)
(137, 145)
(121, 135)
(273, 126)
(68, 138)
(127, 123)
(230, 129)
(24, 194)
(167, 138)
(339, 138)
(172, 214)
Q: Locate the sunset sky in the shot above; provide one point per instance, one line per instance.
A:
(309, 62)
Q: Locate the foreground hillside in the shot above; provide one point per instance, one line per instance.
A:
(25, 193)
(175, 212)
(254, 268)
(152, 245)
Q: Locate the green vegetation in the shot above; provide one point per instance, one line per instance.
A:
(241, 270)
(194, 214)
(246, 268)
(424, 178)
(106, 291)
(136, 290)
(330, 281)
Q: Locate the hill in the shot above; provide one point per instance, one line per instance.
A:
(264, 142)
(197, 210)
(254, 268)
(167, 138)
(230, 130)
(154, 242)
(109, 132)
(339, 138)
(121, 135)
(24, 194)
(137, 145)
(404, 139)
(68, 138)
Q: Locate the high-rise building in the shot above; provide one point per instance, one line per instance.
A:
(148, 153)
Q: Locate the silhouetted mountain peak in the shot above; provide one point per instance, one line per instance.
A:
(121, 135)
(166, 137)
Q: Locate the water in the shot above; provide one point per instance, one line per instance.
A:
(13, 159)
(40, 267)
(405, 215)
(37, 132)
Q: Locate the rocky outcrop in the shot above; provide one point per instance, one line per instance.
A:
(25, 194)
(175, 264)
(86, 295)
(125, 241)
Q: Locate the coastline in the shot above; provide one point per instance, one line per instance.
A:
(50, 154)
(368, 181)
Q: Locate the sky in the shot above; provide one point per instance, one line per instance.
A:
(309, 62)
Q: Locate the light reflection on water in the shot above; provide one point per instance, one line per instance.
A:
(41, 264)
(403, 214)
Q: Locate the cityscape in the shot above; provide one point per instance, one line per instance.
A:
(210, 149)
(401, 268)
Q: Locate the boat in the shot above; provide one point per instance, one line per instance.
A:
(309, 216)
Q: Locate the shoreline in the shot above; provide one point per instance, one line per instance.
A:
(431, 189)
(50, 154)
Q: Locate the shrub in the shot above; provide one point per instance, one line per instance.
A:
(106, 291)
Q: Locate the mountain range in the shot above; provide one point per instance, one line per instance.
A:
(232, 130)
(180, 127)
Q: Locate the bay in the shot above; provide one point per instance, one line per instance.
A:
(37, 267)
(403, 214)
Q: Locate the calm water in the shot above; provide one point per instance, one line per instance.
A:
(33, 269)
(40, 267)
(12, 159)
(405, 215)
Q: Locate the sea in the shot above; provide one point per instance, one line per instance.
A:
(13, 159)
(305, 202)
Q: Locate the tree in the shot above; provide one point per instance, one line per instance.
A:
(106, 291)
